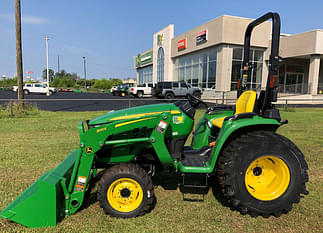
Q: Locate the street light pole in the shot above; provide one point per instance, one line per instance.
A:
(84, 65)
(47, 38)
(57, 63)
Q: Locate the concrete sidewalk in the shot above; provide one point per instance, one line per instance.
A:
(301, 99)
(231, 97)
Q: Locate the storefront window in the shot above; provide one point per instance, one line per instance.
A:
(145, 75)
(198, 69)
(256, 58)
(160, 65)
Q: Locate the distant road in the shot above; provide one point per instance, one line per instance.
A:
(79, 102)
(70, 101)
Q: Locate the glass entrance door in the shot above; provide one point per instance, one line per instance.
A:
(294, 83)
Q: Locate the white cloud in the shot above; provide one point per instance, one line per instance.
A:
(26, 19)
(31, 19)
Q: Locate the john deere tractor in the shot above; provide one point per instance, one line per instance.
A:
(259, 171)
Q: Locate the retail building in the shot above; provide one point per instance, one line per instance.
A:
(210, 56)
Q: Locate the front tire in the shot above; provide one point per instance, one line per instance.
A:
(26, 92)
(126, 191)
(262, 173)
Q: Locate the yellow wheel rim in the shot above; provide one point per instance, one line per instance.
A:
(125, 195)
(123, 94)
(267, 178)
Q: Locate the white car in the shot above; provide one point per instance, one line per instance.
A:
(142, 90)
(36, 88)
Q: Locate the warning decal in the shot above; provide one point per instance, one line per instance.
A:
(161, 126)
(81, 181)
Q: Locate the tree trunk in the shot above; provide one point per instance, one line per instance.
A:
(19, 53)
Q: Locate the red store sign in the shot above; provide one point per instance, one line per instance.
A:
(201, 36)
(181, 44)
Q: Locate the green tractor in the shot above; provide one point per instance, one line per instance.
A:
(259, 171)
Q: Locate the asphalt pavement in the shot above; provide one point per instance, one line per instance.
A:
(70, 101)
(79, 102)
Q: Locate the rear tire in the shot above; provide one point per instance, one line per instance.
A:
(169, 95)
(26, 92)
(140, 94)
(262, 173)
(126, 191)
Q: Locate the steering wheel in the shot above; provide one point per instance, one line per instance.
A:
(195, 102)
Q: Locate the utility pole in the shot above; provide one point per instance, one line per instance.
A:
(57, 63)
(84, 64)
(19, 53)
(47, 38)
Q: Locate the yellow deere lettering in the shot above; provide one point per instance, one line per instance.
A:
(143, 115)
(100, 130)
(130, 122)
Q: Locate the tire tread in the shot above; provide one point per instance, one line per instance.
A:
(131, 169)
(226, 167)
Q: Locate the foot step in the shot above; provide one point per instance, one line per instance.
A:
(195, 180)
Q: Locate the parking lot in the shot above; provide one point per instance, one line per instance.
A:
(70, 101)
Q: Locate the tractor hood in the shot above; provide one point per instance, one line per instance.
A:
(135, 112)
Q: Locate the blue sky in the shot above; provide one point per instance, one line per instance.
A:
(110, 33)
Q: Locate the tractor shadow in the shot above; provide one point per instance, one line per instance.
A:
(217, 192)
(167, 182)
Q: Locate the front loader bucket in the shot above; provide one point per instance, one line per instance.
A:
(43, 203)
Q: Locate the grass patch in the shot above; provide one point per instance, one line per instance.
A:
(15, 110)
(32, 145)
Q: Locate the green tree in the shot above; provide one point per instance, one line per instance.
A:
(8, 82)
(50, 74)
(115, 82)
(101, 84)
(75, 76)
(64, 79)
(105, 84)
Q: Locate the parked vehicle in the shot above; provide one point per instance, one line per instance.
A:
(65, 90)
(113, 90)
(36, 88)
(142, 90)
(123, 89)
(170, 90)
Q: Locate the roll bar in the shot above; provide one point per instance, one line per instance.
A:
(275, 61)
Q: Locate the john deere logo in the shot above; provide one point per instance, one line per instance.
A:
(160, 40)
(178, 119)
(89, 150)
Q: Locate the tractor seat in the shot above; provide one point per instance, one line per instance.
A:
(245, 103)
